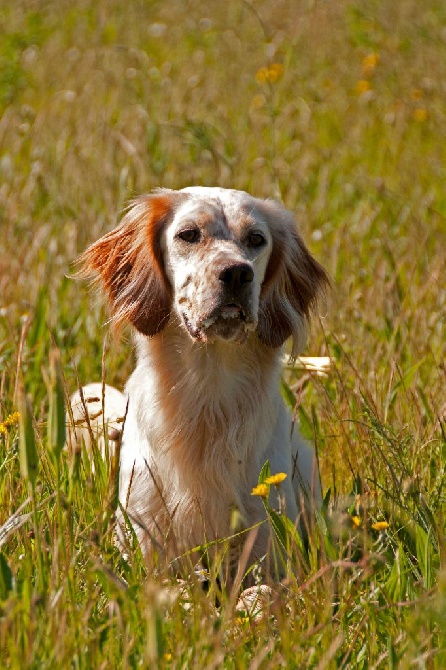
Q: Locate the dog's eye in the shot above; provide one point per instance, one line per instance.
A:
(190, 235)
(256, 239)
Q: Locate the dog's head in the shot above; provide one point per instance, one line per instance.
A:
(222, 262)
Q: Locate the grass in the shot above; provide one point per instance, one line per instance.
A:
(98, 103)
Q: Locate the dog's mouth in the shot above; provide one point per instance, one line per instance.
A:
(230, 322)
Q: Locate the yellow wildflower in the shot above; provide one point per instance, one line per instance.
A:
(167, 656)
(356, 521)
(243, 620)
(260, 490)
(369, 64)
(275, 71)
(10, 420)
(363, 86)
(380, 525)
(420, 114)
(276, 479)
(262, 75)
(269, 74)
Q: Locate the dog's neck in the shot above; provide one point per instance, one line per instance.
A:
(202, 396)
(216, 371)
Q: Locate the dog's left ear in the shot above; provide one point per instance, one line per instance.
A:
(128, 264)
(294, 282)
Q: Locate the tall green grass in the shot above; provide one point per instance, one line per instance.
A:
(337, 109)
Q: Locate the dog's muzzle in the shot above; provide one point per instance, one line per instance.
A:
(230, 316)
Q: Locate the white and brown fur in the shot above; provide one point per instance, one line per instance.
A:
(213, 281)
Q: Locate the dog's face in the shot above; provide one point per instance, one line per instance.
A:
(225, 264)
(217, 250)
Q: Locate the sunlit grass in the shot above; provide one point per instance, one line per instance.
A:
(338, 109)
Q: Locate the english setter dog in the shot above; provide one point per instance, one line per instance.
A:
(213, 282)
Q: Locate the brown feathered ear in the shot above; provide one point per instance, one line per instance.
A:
(128, 264)
(293, 283)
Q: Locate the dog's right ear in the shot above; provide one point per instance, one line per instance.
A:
(128, 264)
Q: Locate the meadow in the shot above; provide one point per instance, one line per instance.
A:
(335, 108)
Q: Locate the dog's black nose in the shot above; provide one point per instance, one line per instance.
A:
(234, 276)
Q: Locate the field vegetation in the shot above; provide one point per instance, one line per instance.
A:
(335, 108)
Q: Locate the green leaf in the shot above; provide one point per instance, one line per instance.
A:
(5, 577)
(425, 555)
(264, 472)
(284, 529)
(305, 425)
(287, 394)
(56, 417)
(279, 527)
(326, 501)
(29, 459)
(396, 584)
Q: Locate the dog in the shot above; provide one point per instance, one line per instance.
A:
(213, 281)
